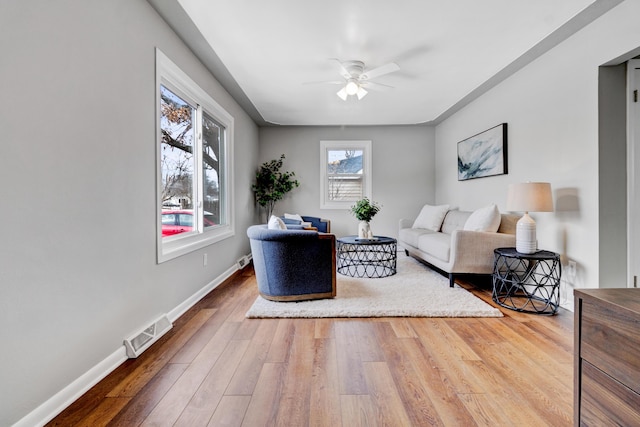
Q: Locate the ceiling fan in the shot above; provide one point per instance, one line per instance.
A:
(357, 78)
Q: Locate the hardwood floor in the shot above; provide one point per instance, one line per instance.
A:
(217, 368)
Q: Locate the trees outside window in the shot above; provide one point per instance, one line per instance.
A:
(177, 119)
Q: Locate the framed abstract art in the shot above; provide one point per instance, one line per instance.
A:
(484, 154)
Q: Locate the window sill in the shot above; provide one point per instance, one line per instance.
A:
(168, 250)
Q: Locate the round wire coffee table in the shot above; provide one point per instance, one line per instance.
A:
(370, 258)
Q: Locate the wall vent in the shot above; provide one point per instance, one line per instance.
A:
(141, 341)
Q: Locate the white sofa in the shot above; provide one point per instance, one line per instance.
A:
(453, 249)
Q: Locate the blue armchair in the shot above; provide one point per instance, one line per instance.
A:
(293, 265)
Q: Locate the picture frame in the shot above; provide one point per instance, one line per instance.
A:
(483, 154)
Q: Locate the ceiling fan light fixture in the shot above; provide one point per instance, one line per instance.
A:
(356, 76)
(352, 87)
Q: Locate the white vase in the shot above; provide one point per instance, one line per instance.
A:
(363, 230)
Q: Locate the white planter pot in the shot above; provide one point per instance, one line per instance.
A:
(363, 230)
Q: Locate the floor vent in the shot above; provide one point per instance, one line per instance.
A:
(141, 341)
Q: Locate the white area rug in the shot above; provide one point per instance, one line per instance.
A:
(414, 291)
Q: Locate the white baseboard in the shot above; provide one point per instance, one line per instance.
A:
(65, 397)
(193, 299)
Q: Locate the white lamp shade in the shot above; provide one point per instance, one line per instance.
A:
(530, 197)
(342, 93)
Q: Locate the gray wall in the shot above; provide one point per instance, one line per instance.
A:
(403, 171)
(78, 269)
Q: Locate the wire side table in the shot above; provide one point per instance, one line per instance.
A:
(372, 258)
(528, 283)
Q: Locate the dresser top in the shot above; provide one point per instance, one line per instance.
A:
(625, 298)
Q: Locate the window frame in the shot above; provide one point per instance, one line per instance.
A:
(325, 147)
(168, 74)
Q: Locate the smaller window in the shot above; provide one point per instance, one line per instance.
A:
(345, 173)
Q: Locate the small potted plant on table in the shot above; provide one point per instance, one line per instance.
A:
(364, 210)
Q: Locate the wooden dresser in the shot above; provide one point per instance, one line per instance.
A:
(607, 357)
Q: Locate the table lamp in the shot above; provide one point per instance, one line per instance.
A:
(528, 197)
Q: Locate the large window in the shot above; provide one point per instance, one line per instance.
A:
(195, 137)
(345, 173)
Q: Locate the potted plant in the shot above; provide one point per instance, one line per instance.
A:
(271, 184)
(364, 210)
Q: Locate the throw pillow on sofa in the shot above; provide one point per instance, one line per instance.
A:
(296, 217)
(484, 219)
(431, 217)
(276, 223)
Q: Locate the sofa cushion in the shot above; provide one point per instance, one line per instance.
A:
(431, 217)
(484, 219)
(508, 223)
(411, 235)
(454, 220)
(436, 244)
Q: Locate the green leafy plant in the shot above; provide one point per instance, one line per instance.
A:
(365, 210)
(271, 184)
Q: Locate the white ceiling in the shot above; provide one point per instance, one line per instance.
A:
(448, 51)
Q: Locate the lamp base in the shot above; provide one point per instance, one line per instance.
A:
(526, 242)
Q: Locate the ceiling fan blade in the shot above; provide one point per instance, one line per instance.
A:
(375, 85)
(380, 71)
(333, 82)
